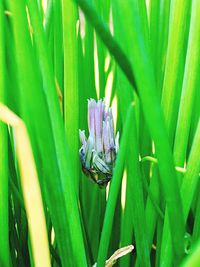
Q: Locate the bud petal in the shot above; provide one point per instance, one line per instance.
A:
(98, 126)
(117, 142)
(89, 151)
(82, 137)
(100, 165)
(91, 116)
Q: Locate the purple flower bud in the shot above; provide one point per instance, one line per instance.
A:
(98, 153)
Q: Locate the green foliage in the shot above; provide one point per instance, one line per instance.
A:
(143, 58)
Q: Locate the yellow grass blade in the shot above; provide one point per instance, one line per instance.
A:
(30, 188)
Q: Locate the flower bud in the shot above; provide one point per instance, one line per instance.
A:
(98, 152)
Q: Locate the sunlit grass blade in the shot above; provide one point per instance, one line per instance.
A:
(48, 20)
(193, 258)
(175, 58)
(189, 87)
(163, 29)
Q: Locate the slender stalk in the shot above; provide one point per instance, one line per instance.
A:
(163, 29)
(174, 63)
(114, 189)
(58, 42)
(153, 28)
(71, 93)
(134, 185)
(4, 225)
(189, 87)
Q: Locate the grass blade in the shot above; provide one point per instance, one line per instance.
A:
(4, 237)
(114, 189)
(189, 87)
(174, 63)
(71, 93)
(194, 258)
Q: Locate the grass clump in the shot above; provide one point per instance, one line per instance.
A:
(142, 58)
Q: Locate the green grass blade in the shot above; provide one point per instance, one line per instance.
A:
(4, 239)
(88, 64)
(134, 184)
(191, 177)
(58, 42)
(71, 95)
(163, 29)
(174, 63)
(195, 116)
(196, 229)
(144, 18)
(103, 8)
(126, 233)
(193, 258)
(114, 189)
(125, 98)
(150, 211)
(153, 28)
(48, 20)
(189, 87)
